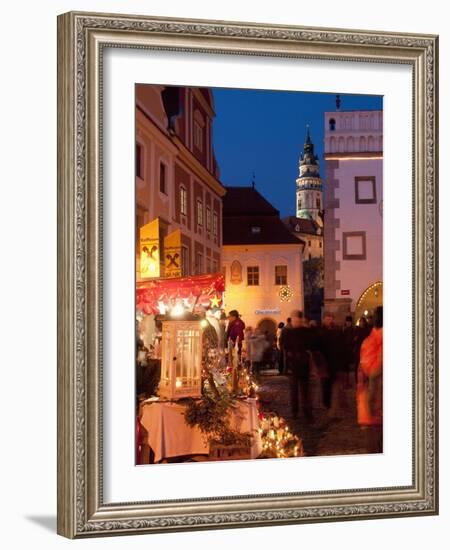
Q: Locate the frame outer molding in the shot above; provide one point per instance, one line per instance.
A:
(81, 511)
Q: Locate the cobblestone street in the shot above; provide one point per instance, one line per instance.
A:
(337, 433)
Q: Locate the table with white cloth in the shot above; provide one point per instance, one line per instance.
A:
(165, 431)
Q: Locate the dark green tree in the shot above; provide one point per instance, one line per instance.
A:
(313, 281)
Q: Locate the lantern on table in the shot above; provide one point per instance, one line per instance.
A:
(181, 359)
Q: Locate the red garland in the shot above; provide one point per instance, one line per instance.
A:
(200, 288)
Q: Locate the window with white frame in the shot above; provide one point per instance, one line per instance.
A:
(208, 218)
(253, 275)
(281, 274)
(183, 200)
(199, 212)
(215, 224)
(199, 263)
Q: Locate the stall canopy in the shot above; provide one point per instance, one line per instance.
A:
(159, 296)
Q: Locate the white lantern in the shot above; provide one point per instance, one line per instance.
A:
(181, 359)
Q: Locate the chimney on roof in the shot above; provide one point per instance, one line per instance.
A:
(338, 102)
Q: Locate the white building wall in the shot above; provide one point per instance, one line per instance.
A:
(353, 149)
(357, 275)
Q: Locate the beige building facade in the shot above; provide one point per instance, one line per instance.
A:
(177, 178)
(262, 261)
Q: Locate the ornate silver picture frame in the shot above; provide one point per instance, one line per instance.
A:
(82, 38)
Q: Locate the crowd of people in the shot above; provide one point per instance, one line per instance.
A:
(346, 359)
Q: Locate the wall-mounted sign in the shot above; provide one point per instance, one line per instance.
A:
(149, 250)
(236, 273)
(345, 292)
(275, 311)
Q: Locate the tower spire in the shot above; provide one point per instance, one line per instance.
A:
(309, 182)
(308, 137)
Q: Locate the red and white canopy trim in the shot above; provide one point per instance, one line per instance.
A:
(158, 296)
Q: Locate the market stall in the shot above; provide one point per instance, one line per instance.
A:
(201, 396)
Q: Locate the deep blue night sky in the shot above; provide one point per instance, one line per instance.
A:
(264, 131)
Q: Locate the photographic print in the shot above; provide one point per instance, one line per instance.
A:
(238, 204)
(259, 274)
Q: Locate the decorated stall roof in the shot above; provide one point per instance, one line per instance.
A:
(157, 296)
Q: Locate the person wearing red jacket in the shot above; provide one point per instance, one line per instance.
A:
(369, 390)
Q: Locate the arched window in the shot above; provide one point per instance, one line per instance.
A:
(341, 145)
(350, 144)
(362, 144)
(332, 123)
(332, 144)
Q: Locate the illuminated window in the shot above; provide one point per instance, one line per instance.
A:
(253, 275)
(281, 274)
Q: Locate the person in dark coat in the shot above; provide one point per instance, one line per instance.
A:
(331, 345)
(295, 342)
(349, 333)
(235, 330)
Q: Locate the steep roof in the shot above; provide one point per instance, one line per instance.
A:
(248, 218)
(246, 201)
(304, 225)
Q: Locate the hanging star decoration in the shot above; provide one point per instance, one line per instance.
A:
(286, 293)
(215, 301)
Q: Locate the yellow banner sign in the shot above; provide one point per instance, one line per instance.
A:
(149, 250)
(172, 254)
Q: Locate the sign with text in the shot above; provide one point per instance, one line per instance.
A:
(149, 250)
(275, 311)
(172, 254)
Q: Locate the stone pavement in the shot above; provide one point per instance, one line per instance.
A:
(337, 433)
